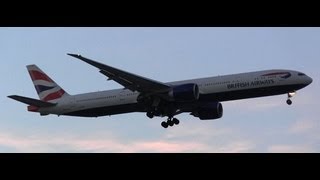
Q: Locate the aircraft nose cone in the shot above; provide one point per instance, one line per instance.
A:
(309, 80)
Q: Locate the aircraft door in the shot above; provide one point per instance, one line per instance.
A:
(122, 96)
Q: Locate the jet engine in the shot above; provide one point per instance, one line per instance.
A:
(209, 111)
(185, 93)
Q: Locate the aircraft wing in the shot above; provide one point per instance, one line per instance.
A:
(128, 80)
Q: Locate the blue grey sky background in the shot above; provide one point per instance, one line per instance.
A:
(164, 54)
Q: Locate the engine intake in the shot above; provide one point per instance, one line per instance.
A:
(209, 111)
(185, 93)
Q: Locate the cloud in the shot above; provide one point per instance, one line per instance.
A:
(8, 140)
(290, 149)
(256, 104)
(194, 137)
(107, 143)
(169, 147)
(137, 147)
(237, 147)
(303, 126)
(72, 144)
(197, 130)
(65, 143)
(308, 130)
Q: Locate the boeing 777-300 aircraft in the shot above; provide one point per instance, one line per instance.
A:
(200, 97)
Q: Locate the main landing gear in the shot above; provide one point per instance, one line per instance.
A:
(150, 114)
(170, 122)
(290, 95)
(165, 124)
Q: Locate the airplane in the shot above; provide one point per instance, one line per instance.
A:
(200, 97)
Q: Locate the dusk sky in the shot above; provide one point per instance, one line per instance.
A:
(257, 125)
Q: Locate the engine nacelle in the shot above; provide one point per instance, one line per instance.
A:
(185, 93)
(209, 111)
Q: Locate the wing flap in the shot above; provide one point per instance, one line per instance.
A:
(124, 82)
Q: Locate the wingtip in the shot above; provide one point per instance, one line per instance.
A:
(11, 96)
(74, 55)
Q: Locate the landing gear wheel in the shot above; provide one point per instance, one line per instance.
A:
(164, 125)
(290, 95)
(176, 121)
(170, 122)
(150, 114)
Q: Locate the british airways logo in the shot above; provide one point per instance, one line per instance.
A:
(283, 75)
(251, 84)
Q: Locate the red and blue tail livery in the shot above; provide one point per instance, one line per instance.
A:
(47, 89)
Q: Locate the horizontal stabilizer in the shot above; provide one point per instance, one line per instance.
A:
(30, 101)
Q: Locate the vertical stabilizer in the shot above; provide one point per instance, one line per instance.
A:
(46, 88)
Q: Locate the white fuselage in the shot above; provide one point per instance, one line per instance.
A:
(222, 88)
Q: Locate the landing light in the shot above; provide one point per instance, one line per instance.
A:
(292, 93)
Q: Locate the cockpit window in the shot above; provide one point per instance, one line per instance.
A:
(301, 74)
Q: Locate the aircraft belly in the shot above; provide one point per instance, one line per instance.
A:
(107, 110)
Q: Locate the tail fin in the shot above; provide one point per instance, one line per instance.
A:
(47, 89)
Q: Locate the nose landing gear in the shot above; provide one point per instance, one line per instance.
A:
(290, 95)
